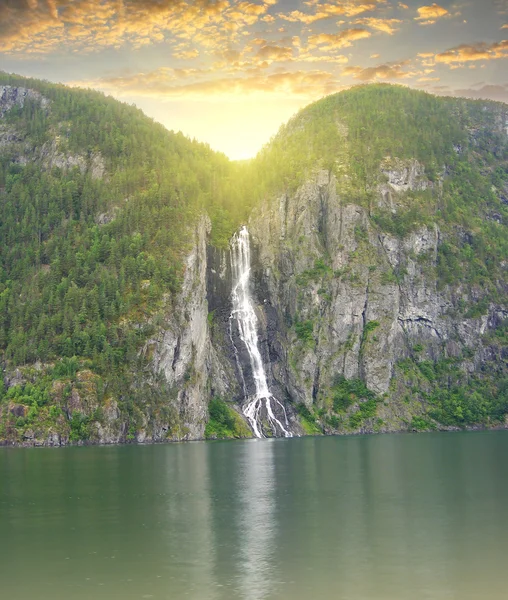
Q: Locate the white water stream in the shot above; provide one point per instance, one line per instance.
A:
(245, 316)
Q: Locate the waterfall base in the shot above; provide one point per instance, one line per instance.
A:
(261, 414)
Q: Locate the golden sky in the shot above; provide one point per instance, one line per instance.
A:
(229, 72)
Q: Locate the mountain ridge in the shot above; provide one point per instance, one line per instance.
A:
(366, 230)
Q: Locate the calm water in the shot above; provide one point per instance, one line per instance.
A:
(402, 517)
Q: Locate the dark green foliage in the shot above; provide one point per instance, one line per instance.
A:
(66, 368)
(79, 427)
(346, 392)
(68, 286)
(362, 126)
(457, 398)
(81, 288)
(321, 270)
(401, 223)
(459, 142)
(370, 326)
(29, 394)
(308, 420)
(220, 413)
(224, 422)
(478, 309)
(305, 331)
(305, 412)
(366, 410)
(66, 283)
(421, 424)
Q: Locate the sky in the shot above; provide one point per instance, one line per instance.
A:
(230, 72)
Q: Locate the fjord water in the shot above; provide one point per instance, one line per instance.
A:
(394, 517)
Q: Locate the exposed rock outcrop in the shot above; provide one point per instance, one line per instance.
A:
(49, 154)
(184, 354)
(365, 298)
(11, 97)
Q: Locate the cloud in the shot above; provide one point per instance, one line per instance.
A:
(338, 59)
(343, 39)
(473, 52)
(170, 84)
(42, 26)
(274, 53)
(297, 16)
(487, 92)
(498, 93)
(385, 25)
(186, 54)
(325, 10)
(394, 70)
(427, 15)
(501, 6)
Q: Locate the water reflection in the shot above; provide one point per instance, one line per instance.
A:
(256, 523)
(187, 523)
(370, 518)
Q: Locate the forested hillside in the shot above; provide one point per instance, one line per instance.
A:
(97, 202)
(402, 200)
(98, 211)
(361, 133)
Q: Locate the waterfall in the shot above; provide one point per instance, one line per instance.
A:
(261, 405)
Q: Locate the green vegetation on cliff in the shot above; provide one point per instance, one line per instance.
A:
(462, 144)
(417, 167)
(224, 422)
(97, 208)
(97, 202)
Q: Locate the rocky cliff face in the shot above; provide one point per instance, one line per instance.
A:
(335, 297)
(356, 328)
(184, 354)
(11, 97)
(50, 154)
(353, 301)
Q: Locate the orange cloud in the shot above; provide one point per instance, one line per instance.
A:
(384, 25)
(41, 26)
(170, 84)
(274, 53)
(297, 16)
(381, 72)
(473, 52)
(186, 54)
(427, 15)
(328, 10)
(343, 39)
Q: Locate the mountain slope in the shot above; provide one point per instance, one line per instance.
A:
(386, 252)
(378, 225)
(98, 209)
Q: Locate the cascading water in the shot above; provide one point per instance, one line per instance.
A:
(262, 405)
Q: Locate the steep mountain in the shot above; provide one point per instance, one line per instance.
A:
(376, 223)
(99, 205)
(386, 260)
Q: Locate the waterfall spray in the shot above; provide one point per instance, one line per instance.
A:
(244, 314)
